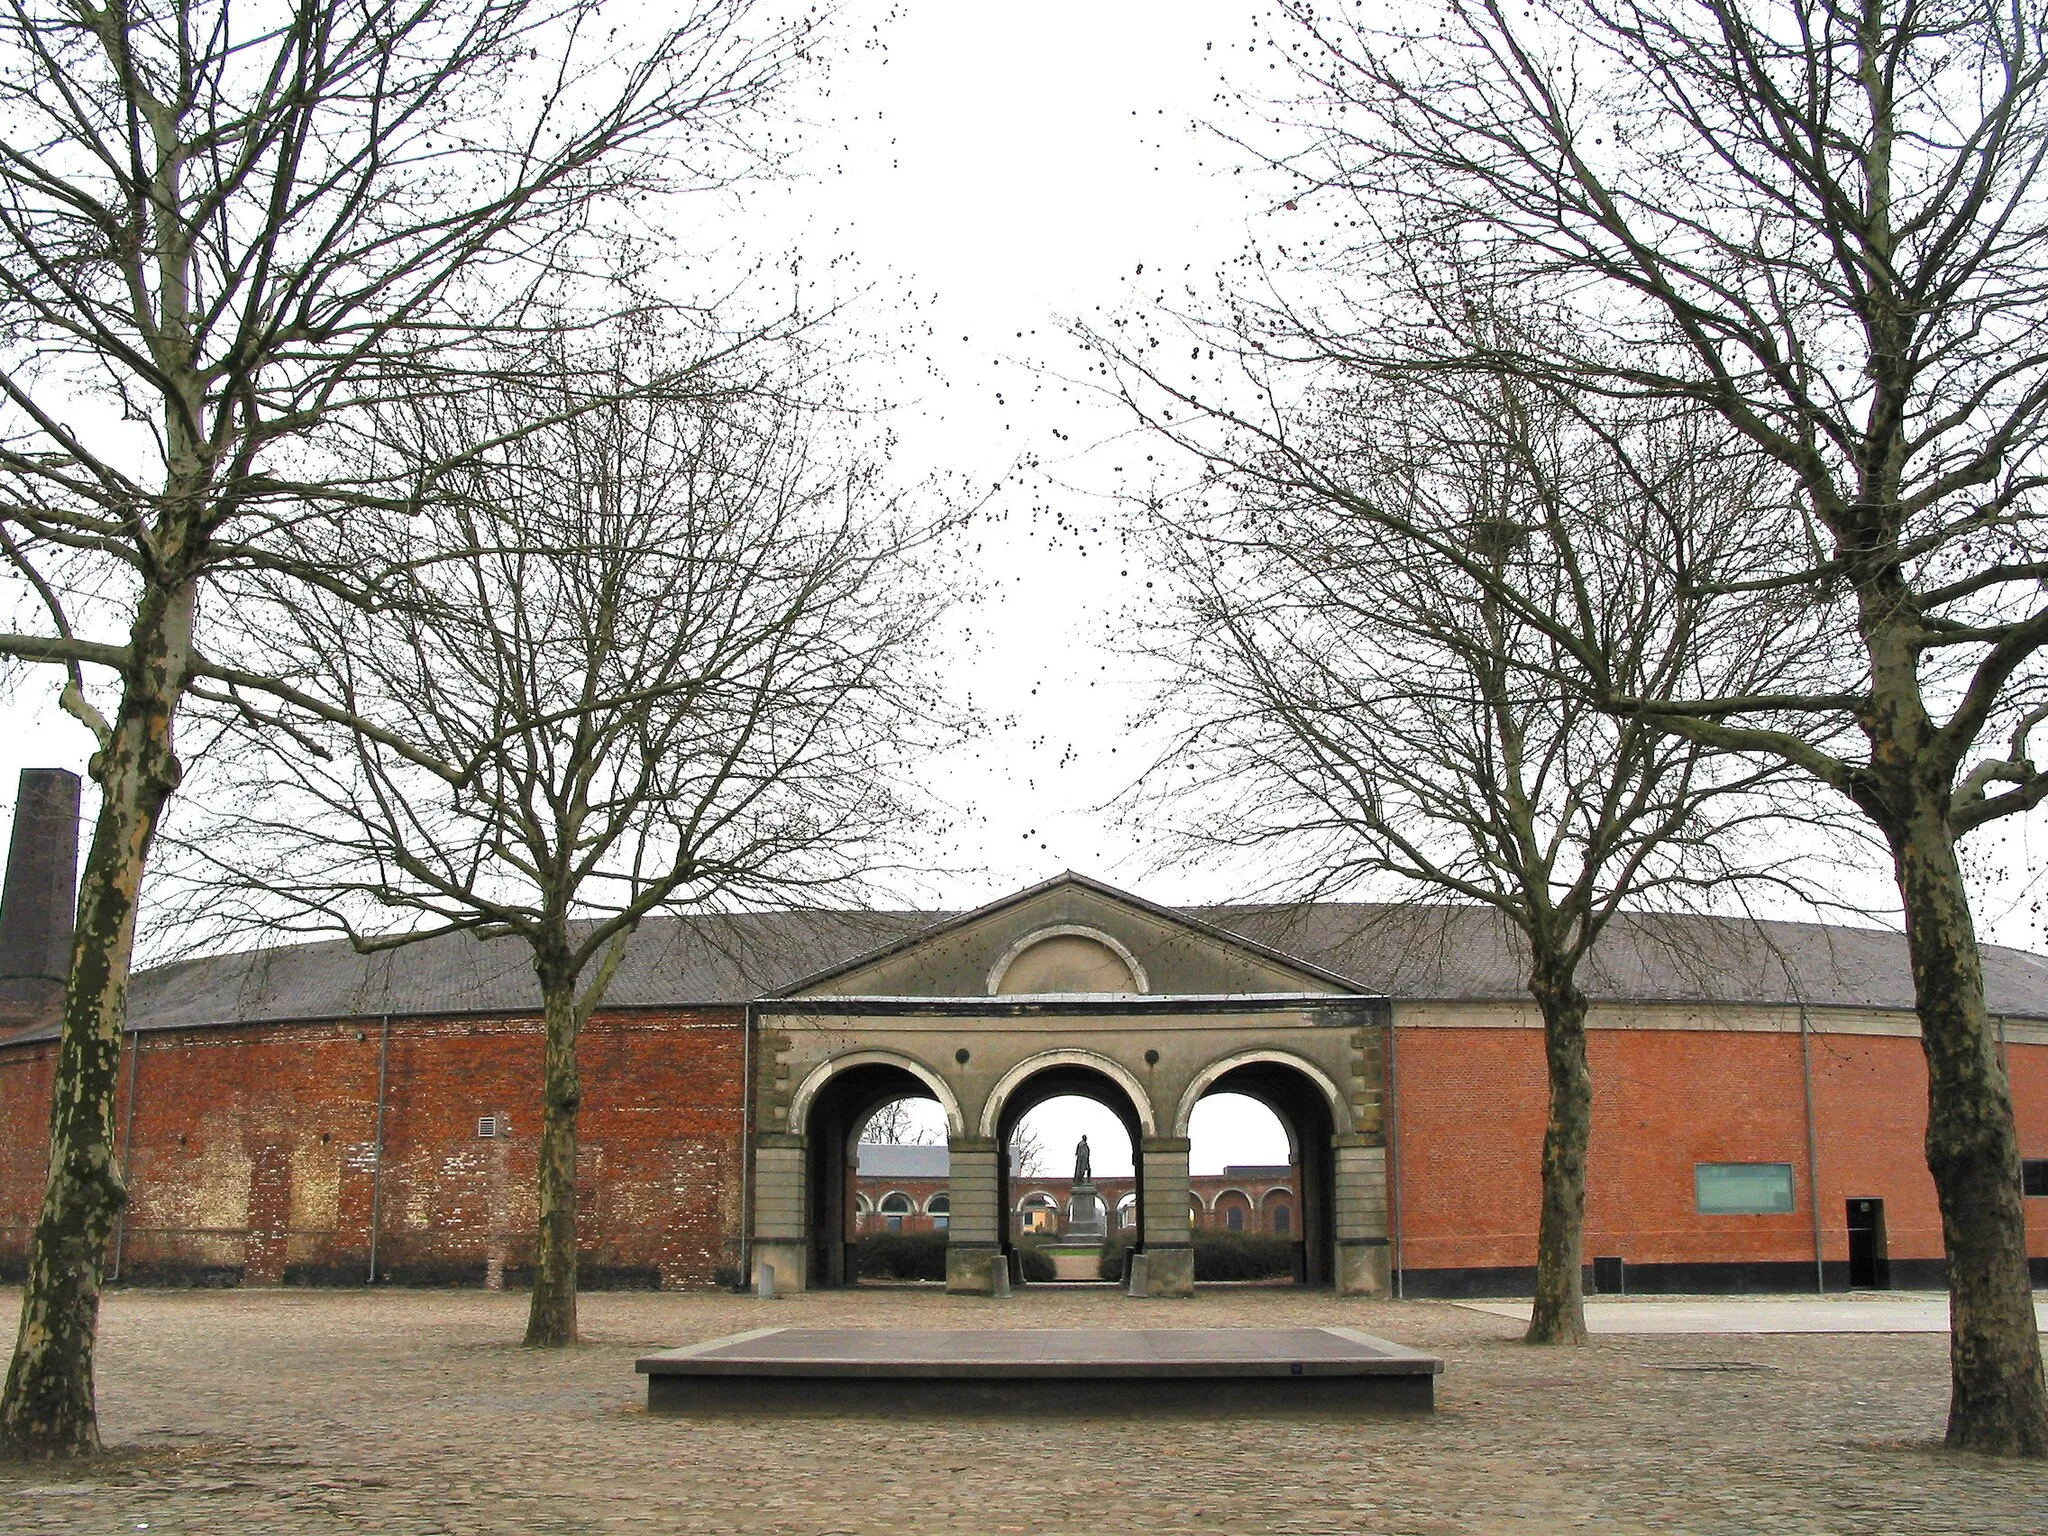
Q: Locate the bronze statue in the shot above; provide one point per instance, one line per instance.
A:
(1083, 1164)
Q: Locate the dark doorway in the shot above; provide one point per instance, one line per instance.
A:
(1869, 1267)
(1306, 1114)
(837, 1117)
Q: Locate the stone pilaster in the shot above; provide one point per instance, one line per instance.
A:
(782, 1235)
(1169, 1246)
(974, 1227)
(1359, 1194)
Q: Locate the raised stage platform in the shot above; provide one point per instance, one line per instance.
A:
(1044, 1370)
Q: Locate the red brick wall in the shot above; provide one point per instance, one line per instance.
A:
(1257, 1204)
(1259, 1197)
(1472, 1109)
(25, 1076)
(253, 1149)
(2027, 1065)
(876, 1187)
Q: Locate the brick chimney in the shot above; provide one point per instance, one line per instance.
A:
(40, 898)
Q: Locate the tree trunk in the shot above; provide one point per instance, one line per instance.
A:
(551, 1320)
(1997, 1404)
(1559, 1314)
(48, 1409)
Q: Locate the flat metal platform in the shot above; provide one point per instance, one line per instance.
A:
(1043, 1370)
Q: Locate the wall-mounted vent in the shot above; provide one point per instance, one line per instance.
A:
(492, 1126)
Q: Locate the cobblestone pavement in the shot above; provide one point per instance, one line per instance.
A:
(1862, 1312)
(414, 1412)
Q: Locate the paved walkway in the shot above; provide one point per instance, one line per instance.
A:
(294, 1413)
(1875, 1312)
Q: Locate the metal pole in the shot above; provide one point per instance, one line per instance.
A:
(377, 1146)
(1820, 1274)
(746, 1145)
(127, 1155)
(1394, 1152)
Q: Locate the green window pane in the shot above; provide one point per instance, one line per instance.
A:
(1743, 1189)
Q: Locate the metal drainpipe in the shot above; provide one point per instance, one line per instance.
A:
(1820, 1274)
(1394, 1151)
(377, 1147)
(746, 1147)
(127, 1154)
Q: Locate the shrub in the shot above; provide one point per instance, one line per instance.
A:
(1111, 1265)
(900, 1256)
(1218, 1256)
(1036, 1264)
(1233, 1256)
(922, 1256)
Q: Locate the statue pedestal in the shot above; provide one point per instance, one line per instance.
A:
(1086, 1221)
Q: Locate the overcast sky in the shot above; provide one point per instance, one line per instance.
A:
(987, 174)
(998, 171)
(994, 171)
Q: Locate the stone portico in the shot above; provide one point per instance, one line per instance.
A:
(1070, 987)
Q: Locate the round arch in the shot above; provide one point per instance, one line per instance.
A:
(1031, 1066)
(824, 1072)
(1068, 931)
(1314, 1114)
(1340, 1112)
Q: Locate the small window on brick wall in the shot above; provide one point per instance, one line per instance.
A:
(1743, 1189)
(2034, 1176)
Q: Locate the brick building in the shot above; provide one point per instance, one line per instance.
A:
(309, 1115)
(906, 1189)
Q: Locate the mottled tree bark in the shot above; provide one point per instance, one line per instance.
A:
(1559, 1314)
(48, 1407)
(1997, 1403)
(551, 1319)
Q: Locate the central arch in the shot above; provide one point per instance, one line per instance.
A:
(1058, 1074)
(996, 1109)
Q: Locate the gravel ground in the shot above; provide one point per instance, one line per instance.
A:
(413, 1412)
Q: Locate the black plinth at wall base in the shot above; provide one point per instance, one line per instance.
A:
(1043, 1371)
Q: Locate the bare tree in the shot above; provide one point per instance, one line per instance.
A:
(1825, 223)
(1028, 1158)
(1369, 652)
(225, 230)
(661, 652)
(898, 1124)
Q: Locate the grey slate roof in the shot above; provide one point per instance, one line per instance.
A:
(1466, 953)
(671, 961)
(1407, 953)
(894, 1160)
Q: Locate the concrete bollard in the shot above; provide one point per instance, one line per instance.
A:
(1138, 1268)
(764, 1282)
(999, 1276)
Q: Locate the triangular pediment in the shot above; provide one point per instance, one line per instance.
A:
(1072, 935)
